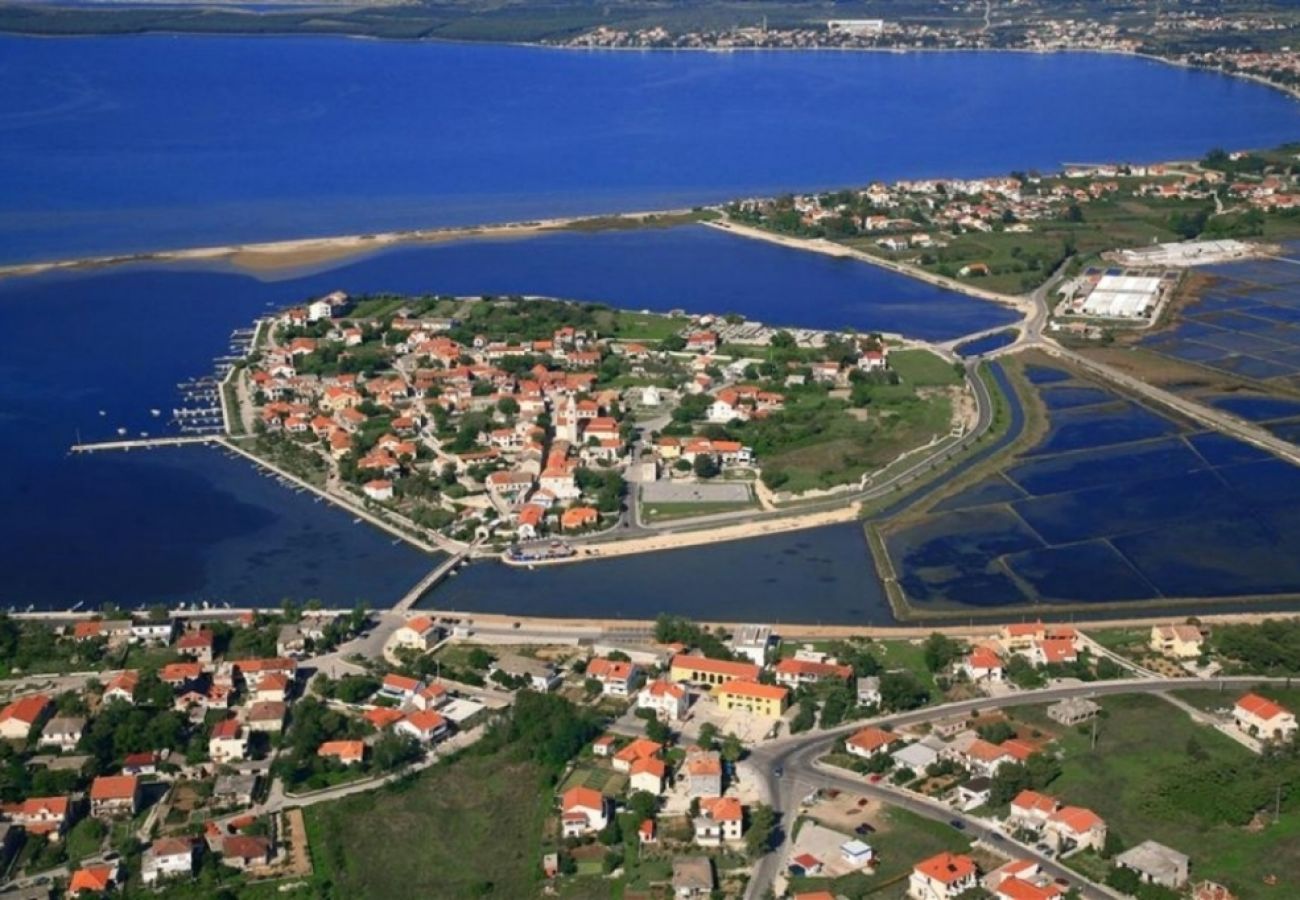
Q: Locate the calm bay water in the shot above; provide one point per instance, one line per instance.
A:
(111, 144)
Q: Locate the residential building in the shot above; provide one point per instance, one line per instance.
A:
(424, 725)
(869, 691)
(267, 716)
(640, 748)
(584, 810)
(753, 641)
(19, 717)
(1156, 864)
(869, 742)
(234, 790)
(692, 877)
(142, 763)
(703, 770)
(197, 645)
(228, 742)
(796, 672)
(41, 815)
(712, 672)
(114, 796)
(942, 877)
(63, 732)
(420, 633)
(121, 687)
(616, 677)
(721, 820)
(400, 688)
(290, 641)
(1073, 710)
(1177, 641)
(158, 633)
(1030, 810)
(753, 697)
(669, 701)
(244, 851)
(167, 858)
(648, 775)
(346, 752)
(982, 664)
(95, 880)
(1072, 827)
(1262, 718)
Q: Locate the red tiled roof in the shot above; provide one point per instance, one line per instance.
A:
(740, 670)
(114, 787)
(946, 868)
(1260, 707)
(26, 709)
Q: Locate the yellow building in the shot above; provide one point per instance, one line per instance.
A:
(1178, 641)
(705, 671)
(749, 696)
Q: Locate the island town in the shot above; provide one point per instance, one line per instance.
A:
(209, 750)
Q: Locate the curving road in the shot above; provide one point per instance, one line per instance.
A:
(795, 759)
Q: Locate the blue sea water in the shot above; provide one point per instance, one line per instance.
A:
(111, 144)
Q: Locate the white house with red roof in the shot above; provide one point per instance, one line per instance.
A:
(18, 718)
(616, 677)
(424, 725)
(228, 742)
(583, 810)
(794, 673)
(420, 633)
(400, 687)
(669, 701)
(869, 742)
(1072, 827)
(721, 820)
(942, 877)
(1031, 810)
(648, 775)
(1262, 718)
(982, 664)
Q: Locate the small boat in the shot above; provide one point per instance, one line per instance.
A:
(155, 413)
(121, 431)
(103, 413)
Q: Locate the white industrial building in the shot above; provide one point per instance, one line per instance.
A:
(1122, 296)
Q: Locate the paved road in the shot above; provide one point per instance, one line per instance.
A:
(794, 756)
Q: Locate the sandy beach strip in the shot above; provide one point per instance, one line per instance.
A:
(275, 256)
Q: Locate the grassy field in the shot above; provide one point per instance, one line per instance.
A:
(904, 655)
(921, 368)
(1139, 742)
(906, 839)
(605, 780)
(637, 326)
(820, 443)
(472, 828)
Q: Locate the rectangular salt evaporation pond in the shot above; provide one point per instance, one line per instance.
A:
(1180, 516)
(822, 575)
